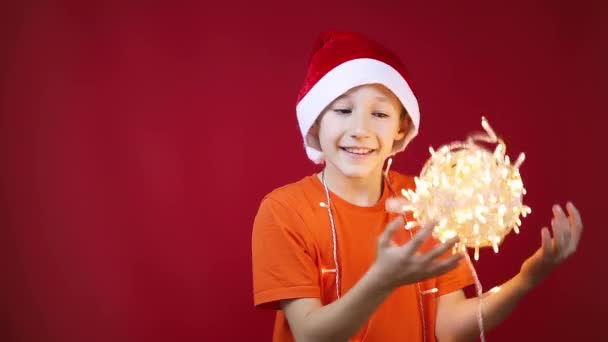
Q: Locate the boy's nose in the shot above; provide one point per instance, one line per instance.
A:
(359, 133)
(359, 127)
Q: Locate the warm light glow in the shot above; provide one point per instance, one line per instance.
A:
(411, 224)
(433, 290)
(494, 289)
(328, 270)
(471, 192)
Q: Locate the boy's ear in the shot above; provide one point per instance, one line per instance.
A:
(314, 130)
(400, 135)
(404, 128)
(312, 138)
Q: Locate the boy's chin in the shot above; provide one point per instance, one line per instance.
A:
(357, 172)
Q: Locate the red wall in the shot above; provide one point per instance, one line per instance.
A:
(137, 139)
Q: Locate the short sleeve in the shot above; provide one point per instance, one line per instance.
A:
(283, 256)
(456, 279)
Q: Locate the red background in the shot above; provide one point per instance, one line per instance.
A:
(137, 139)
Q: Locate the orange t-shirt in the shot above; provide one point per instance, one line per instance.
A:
(292, 244)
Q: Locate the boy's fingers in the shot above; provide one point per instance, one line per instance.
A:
(561, 229)
(446, 265)
(574, 213)
(396, 205)
(440, 249)
(546, 242)
(385, 238)
(576, 222)
(423, 234)
(558, 211)
(558, 236)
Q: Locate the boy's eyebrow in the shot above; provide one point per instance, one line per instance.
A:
(341, 97)
(377, 97)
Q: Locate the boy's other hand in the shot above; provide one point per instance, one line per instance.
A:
(567, 232)
(400, 265)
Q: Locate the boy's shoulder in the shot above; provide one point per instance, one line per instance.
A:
(297, 193)
(311, 186)
(307, 191)
(401, 181)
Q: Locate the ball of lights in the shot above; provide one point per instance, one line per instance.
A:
(470, 191)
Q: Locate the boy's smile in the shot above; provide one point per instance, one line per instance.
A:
(358, 151)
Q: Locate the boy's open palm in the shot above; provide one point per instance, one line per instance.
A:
(567, 232)
(405, 264)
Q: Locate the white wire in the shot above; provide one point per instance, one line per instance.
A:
(479, 289)
(333, 236)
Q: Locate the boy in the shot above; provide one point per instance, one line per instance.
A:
(328, 255)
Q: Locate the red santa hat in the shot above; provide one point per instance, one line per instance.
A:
(339, 62)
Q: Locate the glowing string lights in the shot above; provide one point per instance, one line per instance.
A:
(470, 191)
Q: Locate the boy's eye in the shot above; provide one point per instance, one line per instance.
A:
(342, 110)
(380, 114)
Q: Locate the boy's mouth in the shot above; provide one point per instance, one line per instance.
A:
(361, 151)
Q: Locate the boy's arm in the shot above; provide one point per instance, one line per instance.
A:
(311, 321)
(394, 266)
(457, 316)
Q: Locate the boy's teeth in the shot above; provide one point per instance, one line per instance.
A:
(358, 150)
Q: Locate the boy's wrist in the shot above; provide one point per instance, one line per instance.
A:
(524, 283)
(379, 280)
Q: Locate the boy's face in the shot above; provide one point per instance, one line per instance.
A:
(357, 130)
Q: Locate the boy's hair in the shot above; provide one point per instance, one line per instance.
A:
(340, 61)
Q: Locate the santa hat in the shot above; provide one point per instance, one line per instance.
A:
(339, 62)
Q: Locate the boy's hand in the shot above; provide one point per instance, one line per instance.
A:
(401, 265)
(567, 232)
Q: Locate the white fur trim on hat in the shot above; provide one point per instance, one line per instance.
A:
(344, 77)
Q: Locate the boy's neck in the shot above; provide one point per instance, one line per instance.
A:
(363, 192)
